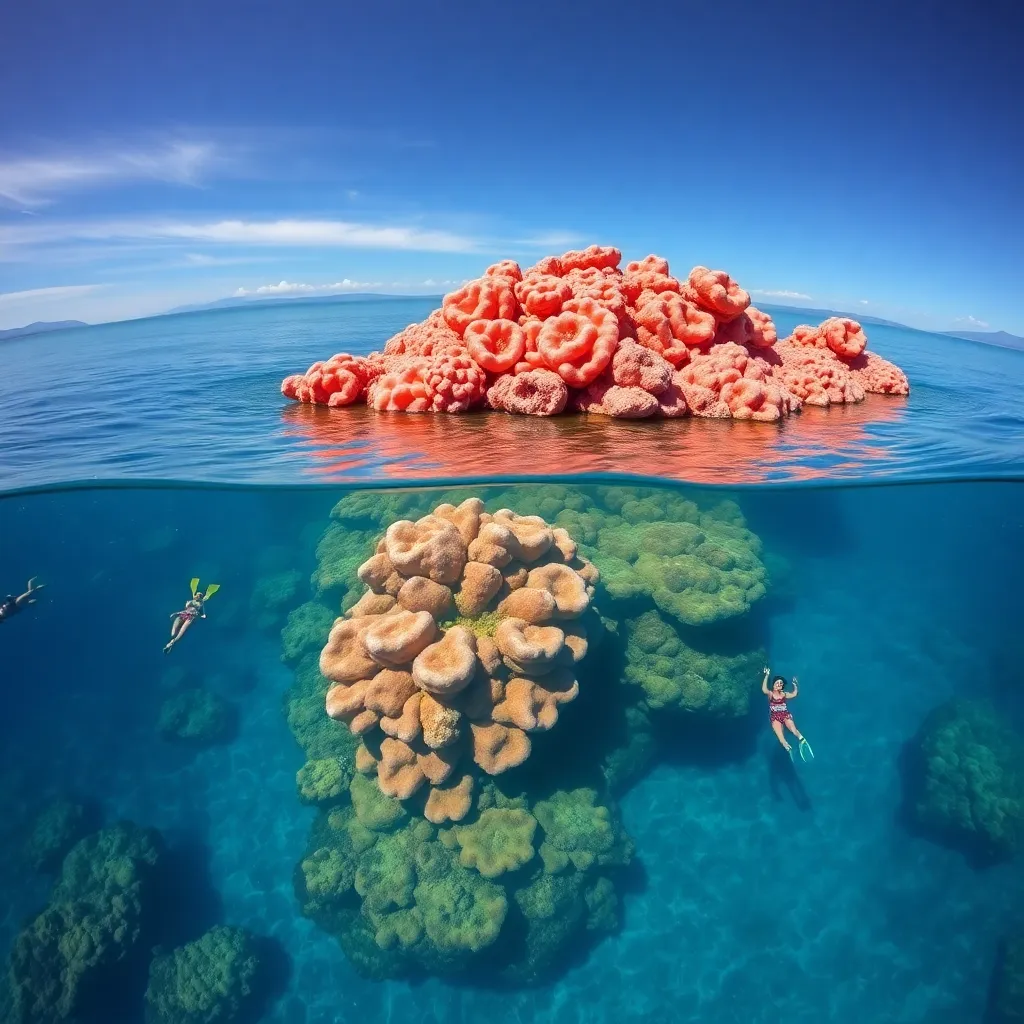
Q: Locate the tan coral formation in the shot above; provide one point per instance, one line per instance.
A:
(432, 695)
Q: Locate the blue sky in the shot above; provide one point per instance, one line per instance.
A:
(867, 157)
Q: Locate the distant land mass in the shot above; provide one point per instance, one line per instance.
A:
(824, 314)
(281, 300)
(40, 327)
(1000, 338)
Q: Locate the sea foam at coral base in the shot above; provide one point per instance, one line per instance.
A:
(500, 752)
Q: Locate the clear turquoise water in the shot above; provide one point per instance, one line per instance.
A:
(759, 891)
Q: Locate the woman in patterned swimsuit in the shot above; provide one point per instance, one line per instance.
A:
(779, 716)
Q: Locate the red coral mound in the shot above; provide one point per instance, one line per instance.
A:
(542, 294)
(606, 398)
(669, 323)
(815, 376)
(878, 376)
(845, 337)
(531, 393)
(488, 298)
(587, 335)
(636, 366)
(403, 390)
(580, 342)
(717, 292)
(340, 380)
(752, 328)
(507, 269)
(455, 381)
(600, 257)
(656, 264)
(497, 345)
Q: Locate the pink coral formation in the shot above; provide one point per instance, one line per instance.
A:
(571, 331)
(432, 695)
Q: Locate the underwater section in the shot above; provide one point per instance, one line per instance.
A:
(504, 751)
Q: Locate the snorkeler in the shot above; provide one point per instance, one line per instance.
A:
(12, 604)
(195, 608)
(778, 714)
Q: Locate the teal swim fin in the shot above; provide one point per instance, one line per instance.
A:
(806, 753)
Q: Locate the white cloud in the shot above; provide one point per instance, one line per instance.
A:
(290, 232)
(550, 240)
(780, 294)
(864, 302)
(970, 321)
(292, 288)
(51, 294)
(29, 182)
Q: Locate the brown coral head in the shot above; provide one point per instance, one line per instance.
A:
(533, 705)
(447, 666)
(396, 639)
(533, 536)
(420, 594)
(431, 547)
(345, 658)
(529, 650)
(531, 604)
(388, 691)
(465, 517)
(493, 545)
(406, 726)
(379, 574)
(450, 802)
(496, 747)
(440, 723)
(566, 586)
(398, 774)
(480, 582)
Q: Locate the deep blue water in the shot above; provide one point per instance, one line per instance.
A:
(760, 891)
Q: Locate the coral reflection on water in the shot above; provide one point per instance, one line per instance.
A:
(829, 443)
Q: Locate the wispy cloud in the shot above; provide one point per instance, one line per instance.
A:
(777, 293)
(549, 240)
(970, 321)
(290, 232)
(864, 302)
(294, 288)
(54, 293)
(28, 182)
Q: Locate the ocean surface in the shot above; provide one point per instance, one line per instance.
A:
(195, 397)
(136, 456)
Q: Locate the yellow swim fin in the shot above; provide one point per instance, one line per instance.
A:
(195, 585)
(211, 590)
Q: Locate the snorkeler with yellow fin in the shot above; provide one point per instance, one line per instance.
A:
(195, 608)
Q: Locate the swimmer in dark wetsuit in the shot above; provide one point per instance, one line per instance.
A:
(12, 604)
(779, 715)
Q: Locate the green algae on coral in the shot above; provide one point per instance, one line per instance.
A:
(271, 597)
(60, 825)
(323, 780)
(196, 717)
(966, 779)
(499, 840)
(578, 831)
(461, 910)
(374, 810)
(339, 554)
(305, 631)
(96, 917)
(673, 674)
(209, 981)
(484, 624)
(317, 734)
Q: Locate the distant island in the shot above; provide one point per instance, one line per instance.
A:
(1000, 338)
(40, 327)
